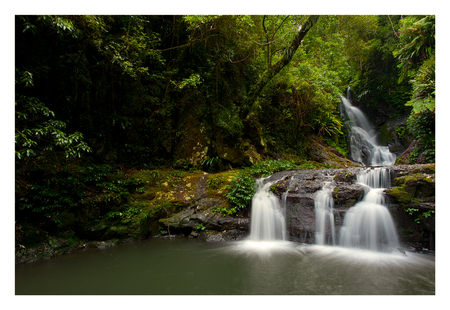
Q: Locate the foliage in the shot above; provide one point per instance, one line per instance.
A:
(200, 227)
(401, 131)
(37, 132)
(422, 127)
(425, 214)
(212, 164)
(416, 55)
(215, 182)
(87, 191)
(242, 189)
(182, 164)
(423, 87)
(416, 43)
(269, 167)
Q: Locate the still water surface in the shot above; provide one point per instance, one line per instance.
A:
(192, 267)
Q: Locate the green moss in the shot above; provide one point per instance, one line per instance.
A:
(336, 190)
(401, 131)
(430, 169)
(401, 193)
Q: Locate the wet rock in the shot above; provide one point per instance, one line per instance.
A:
(225, 235)
(347, 176)
(202, 216)
(412, 187)
(347, 194)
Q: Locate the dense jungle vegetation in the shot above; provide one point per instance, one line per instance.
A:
(104, 104)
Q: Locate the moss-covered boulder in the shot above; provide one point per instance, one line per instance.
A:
(412, 188)
(412, 203)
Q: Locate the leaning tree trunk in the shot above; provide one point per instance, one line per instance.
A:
(289, 52)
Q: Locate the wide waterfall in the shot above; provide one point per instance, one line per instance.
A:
(267, 218)
(363, 146)
(369, 224)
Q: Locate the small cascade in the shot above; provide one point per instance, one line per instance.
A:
(324, 204)
(368, 224)
(267, 218)
(363, 138)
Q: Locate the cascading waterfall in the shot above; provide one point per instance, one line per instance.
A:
(267, 218)
(369, 224)
(363, 139)
(324, 204)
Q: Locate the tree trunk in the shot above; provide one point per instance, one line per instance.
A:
(270, 72)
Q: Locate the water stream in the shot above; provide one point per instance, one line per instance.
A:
(267, 218)
(364, 147)
(369, 224)
(323, 204)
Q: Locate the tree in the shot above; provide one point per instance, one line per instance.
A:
(272, 71)
(416, 55)
(37, 132)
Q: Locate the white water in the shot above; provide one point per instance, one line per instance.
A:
(368, 224)
(267, 218)
(364, 147)
(324, 204)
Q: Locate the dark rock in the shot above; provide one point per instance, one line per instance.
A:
(202, 215)
(343, 194)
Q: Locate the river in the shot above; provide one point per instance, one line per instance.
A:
(193, 267)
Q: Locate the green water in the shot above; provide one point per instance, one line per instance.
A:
(191, 267)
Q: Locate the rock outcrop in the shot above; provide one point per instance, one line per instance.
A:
(203, 219)
(411, 200)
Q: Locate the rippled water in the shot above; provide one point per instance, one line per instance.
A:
(186, 267)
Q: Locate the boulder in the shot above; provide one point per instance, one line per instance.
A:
(202, 217)
(347, 194)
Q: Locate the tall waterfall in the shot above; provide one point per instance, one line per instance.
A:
(363, 139)
(267, 218)
(369, 224)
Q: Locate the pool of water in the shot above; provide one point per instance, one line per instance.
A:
(193, 267)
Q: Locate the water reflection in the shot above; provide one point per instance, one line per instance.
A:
(191, 267)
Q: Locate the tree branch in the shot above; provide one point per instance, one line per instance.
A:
(269, 73)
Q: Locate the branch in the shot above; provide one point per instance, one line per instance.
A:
(395, 33)
(271, 72)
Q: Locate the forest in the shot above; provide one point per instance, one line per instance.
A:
(107, 105)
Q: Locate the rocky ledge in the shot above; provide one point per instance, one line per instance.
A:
(410, 196)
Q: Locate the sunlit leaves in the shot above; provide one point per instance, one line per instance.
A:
(423, 96)
(193, 81)
(417, 42)
(37, 131)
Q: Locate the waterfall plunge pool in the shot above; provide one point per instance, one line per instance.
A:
(194, 267)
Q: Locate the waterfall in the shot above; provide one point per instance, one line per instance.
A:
(368, 224)
(323, 204)
(363, 138)
(267, 217)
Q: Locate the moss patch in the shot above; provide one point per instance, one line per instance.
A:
(401, 193)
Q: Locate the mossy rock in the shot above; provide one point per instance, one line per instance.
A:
(120, 231)
(417, 185)
(345, 176)
(401, 194)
